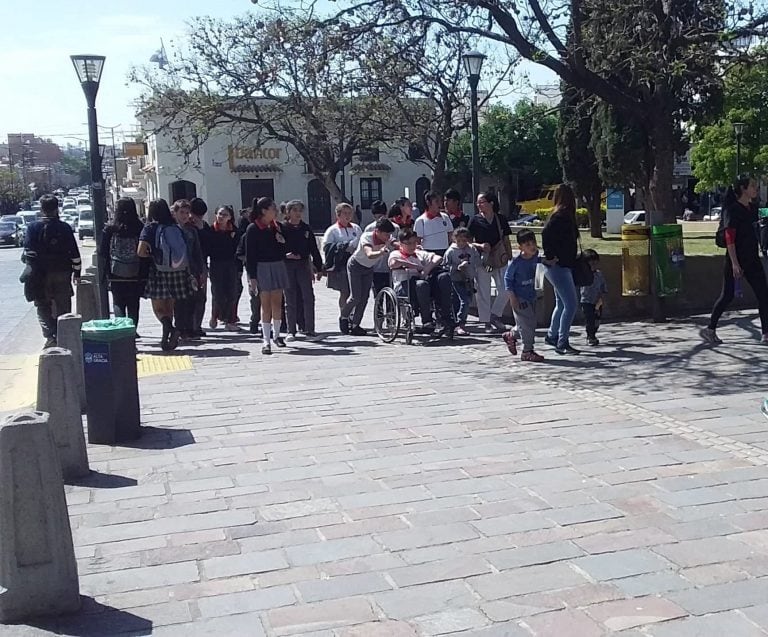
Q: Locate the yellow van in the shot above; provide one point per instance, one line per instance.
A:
(544, 200)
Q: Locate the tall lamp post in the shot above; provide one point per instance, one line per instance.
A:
(738, 128)
(89, 68)
(473, 64)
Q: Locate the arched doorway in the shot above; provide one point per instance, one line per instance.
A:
(422, 186)
(182, 189)
(318, 205)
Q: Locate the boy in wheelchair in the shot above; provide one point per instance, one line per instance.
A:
(418, 276)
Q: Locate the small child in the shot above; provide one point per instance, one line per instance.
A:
(519, 284)
(592, 298)
(462, 260)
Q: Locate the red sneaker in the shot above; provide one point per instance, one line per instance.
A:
(531, 357)
(511, 341)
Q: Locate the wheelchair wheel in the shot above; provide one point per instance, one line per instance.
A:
(386, 315)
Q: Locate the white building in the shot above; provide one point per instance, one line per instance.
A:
(228, 171)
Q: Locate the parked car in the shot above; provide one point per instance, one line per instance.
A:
(526, 220)
(714, 214)
(635, 218)
(11, 232)
(83, 200)
(85, 222)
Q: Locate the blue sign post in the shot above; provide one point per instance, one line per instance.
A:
(615, 210)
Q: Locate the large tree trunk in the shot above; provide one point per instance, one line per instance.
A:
(439, 181)
(661, 204)
(333, 188)
(594, 201)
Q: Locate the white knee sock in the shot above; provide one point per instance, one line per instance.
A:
(266, 327)
(276, 327)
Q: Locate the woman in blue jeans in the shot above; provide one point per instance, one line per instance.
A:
(560, 242)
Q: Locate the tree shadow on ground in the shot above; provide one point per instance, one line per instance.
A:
(160, 438)
(98, 480)
(94, 620)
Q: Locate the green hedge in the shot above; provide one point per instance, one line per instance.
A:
(582, 216)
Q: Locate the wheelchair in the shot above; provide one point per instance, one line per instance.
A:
(393, 315)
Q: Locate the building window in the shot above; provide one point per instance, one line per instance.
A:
(368, 155)
(370, 191)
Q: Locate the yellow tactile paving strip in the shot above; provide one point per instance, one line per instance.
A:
(150, 365)
(18, 376)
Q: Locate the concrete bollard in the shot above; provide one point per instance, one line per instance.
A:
(87, 299)
(38, 571)
(69, 336)
(57, 395)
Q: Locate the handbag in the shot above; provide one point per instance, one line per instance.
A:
(499, 255)
(582, 271)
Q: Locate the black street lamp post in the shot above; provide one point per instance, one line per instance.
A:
(738, 128)
(473, 64)
(89, 68)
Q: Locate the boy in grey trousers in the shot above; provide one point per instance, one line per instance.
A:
(519, 284)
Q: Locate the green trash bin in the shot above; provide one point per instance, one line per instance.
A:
(111, 382)
(668, 258)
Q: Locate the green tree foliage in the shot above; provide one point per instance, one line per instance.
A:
(12, 192)
(78, 167)
(714, 151)
(521, 139)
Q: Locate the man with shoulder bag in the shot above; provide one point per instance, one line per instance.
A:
(53, 261)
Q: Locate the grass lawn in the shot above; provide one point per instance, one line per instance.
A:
(696, 242)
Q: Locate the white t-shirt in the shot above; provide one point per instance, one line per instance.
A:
(338, 234)
(368, 239)
(421, 258)
(433, 232)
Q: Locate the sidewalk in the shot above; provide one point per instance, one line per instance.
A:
(356, 489)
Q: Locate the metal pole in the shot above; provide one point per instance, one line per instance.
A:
(473, 82)
(738, 155)
(114, 165)
(99, 203)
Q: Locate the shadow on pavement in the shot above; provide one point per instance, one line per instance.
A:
(160, 438)
(323, 351)
(95, 620)
(98, 480)
(219, 352)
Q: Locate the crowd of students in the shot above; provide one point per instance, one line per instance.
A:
(439, 260)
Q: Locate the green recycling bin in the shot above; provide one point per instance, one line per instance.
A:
(111, 382)
(668, 258)
(634, 261)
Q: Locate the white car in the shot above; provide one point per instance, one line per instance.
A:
(84, 222)
(635, 218)
(714, 214)
(83, 200)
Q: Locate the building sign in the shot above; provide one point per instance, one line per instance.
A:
(134, 149)
(238, 154)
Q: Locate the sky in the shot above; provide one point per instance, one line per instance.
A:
(39, 91)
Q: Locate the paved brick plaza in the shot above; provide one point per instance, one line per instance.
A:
(356, 489)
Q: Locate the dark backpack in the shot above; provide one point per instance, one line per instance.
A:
(170, 249)
(720, 234)
(124, 261)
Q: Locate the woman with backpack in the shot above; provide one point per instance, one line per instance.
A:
(738, 235)
(169, 278)
(126, 271)
(224, 271)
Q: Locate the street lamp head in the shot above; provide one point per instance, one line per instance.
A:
(738, 128)
(473, 63)
(88, 67)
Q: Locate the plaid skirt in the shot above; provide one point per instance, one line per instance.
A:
(168, 285)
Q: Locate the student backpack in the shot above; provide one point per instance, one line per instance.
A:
(124, 261)
(170, 249)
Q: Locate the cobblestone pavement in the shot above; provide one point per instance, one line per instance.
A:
(356, 489)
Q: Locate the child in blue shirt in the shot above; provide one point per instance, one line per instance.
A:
(519, 284)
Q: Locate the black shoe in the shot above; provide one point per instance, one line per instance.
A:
(358, 331)
(254, 328)
(50, 342)
(267, 349)
(173, 339)
(344, 325)
(592, 340)
(200, 333)
(567, 349)
(279, 341)
(550, 341)
(194, 336)
(167, 329)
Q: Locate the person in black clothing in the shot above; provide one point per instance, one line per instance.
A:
(126, 271)
(51, 252)
(303, 262)
(452, 204)
(199, 209)
(560, 242)
(265, 250)
(222, 248)
(490, 231)
(742, 259)
(187, 309)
